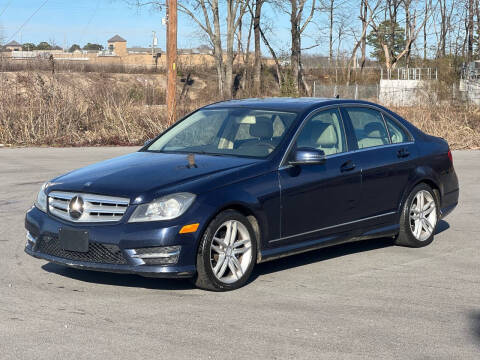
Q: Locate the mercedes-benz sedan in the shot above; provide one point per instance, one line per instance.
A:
(240, 182)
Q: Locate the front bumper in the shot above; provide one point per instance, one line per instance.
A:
(113, 247)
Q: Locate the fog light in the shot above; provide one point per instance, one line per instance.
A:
(165, 255)
(30, 239)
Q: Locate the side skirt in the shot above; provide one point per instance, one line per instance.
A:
(341, 238)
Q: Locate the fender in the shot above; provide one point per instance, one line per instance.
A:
(239, 198)
(422, 173)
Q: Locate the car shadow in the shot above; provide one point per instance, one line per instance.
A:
(129, 280)
(441, 227)
(329, 253)
(114, 279)
(326, 253)
(475, 325)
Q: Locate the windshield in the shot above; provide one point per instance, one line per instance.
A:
(239, 132)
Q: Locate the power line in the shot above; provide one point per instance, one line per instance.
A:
(89, 21)
(26, 21)
(6, 7)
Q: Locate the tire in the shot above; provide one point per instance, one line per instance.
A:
(217, 269)
(417, 227)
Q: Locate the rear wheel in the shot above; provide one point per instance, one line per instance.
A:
(420, 215)
(227, 253)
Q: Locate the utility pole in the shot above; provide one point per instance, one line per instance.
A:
(171, 59)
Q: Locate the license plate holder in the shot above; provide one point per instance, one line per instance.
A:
(73, 240)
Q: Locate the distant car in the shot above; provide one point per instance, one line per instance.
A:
(241, 182)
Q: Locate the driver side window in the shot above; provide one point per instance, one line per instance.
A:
(323, 131)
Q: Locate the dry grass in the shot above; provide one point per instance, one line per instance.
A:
(458, 124)
(78, 109)
(37, 108)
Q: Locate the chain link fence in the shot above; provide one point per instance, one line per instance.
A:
(401, 96)
(365, 92)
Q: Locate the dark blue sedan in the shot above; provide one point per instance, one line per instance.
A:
(241, 182)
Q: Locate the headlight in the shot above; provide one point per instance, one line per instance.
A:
(164, 208)
(41, 201)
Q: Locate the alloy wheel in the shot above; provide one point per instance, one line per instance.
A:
(230, 251)
(423, 215)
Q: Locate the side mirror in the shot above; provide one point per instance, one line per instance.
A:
(147, 142)
(307, 156)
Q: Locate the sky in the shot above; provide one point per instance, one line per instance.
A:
(66, 22)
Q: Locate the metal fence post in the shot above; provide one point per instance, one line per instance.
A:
(356, 91)
(314, 89)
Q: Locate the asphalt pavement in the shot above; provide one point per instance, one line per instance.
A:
(366, 300)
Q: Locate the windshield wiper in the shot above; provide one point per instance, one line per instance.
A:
(198, 152)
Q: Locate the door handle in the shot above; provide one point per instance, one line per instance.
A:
(403, 153)
(347, 166)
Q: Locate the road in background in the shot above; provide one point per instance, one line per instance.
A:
(354, 301)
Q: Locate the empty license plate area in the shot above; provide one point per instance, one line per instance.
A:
(73, 240)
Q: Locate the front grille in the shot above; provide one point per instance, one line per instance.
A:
(97, 253)
(95, 208)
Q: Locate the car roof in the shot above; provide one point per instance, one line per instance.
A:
(297, 105)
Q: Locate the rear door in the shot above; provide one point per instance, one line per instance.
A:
(386, 152)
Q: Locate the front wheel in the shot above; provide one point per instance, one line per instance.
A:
(227, 253)
(420, 215)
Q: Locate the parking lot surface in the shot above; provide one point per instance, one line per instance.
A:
(355, 301)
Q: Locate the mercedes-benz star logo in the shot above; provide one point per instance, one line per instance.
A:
(75, 207)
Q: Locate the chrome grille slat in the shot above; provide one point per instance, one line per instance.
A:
(103, 209)
(59, 204)
(59, 195)
(97, 208)
(106, 201)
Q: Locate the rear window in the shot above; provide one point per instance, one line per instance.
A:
(396, 131)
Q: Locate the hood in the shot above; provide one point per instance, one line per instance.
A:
(144, 172)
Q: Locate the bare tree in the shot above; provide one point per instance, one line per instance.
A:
(408, 29)
(361, 41)
(298, 24)
(391, 11)
(257, 65)
(469, 32)
(330, 30)
(477, 13)
(245, 51)
(278, 67)
(206, 14)
(363, 38)
(445, 11)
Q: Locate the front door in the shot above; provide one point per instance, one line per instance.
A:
(317, 199)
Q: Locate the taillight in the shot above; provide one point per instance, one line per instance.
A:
(450, 156)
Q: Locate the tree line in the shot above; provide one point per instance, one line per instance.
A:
(393, 32)
(47, 46)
